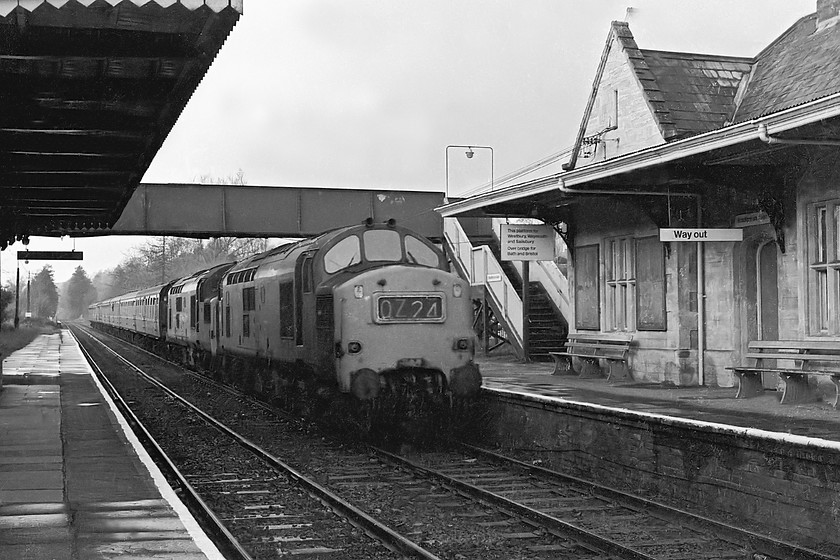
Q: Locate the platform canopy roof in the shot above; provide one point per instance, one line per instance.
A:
(90, 90)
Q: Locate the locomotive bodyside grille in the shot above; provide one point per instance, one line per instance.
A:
(324, 319)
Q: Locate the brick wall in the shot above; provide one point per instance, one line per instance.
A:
(785, 490)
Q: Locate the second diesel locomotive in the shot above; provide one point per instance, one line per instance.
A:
(362, 310)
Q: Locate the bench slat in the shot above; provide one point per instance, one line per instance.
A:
(793, 371)
(791, 356)
(594, 345)
(601, 337)
(828, 345)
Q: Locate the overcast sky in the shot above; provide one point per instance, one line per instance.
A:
(368, 93)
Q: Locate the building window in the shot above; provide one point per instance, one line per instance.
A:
(620, 276)
(824, 268)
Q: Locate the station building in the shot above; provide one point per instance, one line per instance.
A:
(716, 144)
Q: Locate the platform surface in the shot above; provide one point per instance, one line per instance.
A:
(73, 484)
(708, 404)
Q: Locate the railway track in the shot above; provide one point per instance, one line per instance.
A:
(261, 508)
(471, 503)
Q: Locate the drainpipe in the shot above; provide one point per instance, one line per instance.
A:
(766, 138)
(701, 285)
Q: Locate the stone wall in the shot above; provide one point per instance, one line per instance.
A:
(785, 487)
(637, 127)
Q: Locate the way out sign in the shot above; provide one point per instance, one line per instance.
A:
(701, 234)
(525, 242)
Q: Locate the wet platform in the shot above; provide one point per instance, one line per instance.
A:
(74, 482)
(707, 404)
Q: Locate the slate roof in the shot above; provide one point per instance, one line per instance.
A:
(698, 91)
(803, 64)
(688, 93)
(691, 93)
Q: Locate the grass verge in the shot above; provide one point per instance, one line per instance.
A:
(14, 339)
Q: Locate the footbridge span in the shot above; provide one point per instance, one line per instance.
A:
(195, 210)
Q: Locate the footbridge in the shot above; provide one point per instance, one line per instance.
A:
(195, 210)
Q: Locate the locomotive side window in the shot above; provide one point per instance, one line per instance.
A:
(287, 313)
(346, 252)
(420, 253)
(382, 245)
(307, 281)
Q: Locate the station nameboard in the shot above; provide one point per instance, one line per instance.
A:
(49, 255)
(526, 242)
(701, 234)
(751, 219)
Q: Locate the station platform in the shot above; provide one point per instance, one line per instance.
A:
(708, 404)
(74, 481)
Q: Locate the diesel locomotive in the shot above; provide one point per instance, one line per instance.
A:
(362, 310)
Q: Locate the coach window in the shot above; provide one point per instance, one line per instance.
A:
(346, 252)
(418, 252)
(382, 245)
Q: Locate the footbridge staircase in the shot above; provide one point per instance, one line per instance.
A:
(474, 249)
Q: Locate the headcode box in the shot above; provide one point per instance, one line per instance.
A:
(526, 242)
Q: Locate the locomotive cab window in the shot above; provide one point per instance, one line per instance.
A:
(418, 252)
(382, 245)
(346, 252)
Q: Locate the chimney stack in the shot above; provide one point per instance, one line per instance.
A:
(828, 13)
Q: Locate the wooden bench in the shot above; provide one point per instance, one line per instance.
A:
(809, 357)
(590, 349)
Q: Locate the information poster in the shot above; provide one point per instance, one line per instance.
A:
(525, 242)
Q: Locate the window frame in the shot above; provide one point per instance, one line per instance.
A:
(822, 255)
(620, 284)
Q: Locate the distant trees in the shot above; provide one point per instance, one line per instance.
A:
(7, 300)
(42, 295)
(80, 293)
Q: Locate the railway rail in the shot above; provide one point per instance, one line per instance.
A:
(472, 503)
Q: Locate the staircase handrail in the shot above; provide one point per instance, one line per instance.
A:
(547, 273)
(479, 263)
